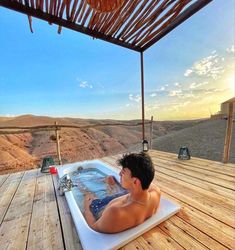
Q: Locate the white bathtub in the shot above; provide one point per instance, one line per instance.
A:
(91, 239)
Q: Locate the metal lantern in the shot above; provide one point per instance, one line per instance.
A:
(184, 153)
(46, 163)
(145, 145)
(104, 5)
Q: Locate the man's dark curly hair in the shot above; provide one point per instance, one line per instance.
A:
(140, 165)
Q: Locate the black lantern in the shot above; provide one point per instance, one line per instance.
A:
(184, 153)
(145, 145)
(47, 162)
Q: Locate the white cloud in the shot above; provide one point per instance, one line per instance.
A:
(231, 50)
(153, 94)
(136, 98)
(151, 107)
(210, 66)
(177, 93)
(177, 106)
(196, 85)
(188, 72)
(185, 94)
(85, 84)
(217, 90)
(177, 84)
(191, 95)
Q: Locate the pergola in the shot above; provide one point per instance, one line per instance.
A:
(133, 24)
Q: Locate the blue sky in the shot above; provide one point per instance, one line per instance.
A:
(187, 74)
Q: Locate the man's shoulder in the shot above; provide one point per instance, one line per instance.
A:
(154, 189)
(119, 212)
(115, 209)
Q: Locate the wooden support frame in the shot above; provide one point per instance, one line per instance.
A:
(58, 143)
(65, 23)
(142, 93)
(118, 21)
(180, 19)
(228, 136)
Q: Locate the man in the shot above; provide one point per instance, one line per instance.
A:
(131, 209)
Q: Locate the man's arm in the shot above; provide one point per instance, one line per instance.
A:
(87, 212)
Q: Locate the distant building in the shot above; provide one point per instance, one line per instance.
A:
(223, 113)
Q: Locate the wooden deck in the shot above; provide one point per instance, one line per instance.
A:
(34, 216)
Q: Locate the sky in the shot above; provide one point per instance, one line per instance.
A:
(188, 73)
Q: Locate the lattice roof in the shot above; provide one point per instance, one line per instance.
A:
(136, 25)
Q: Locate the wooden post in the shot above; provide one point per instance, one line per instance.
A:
(151, 134)
(57, 143)
(142, 93)
(228, 136)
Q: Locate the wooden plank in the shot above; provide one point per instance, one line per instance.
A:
(182, 238)
(206, 164)
(228, 184)
(196, 234)
(158, 239)
(45, 230)
(71, 238)
(195, 168)
(3, 178)
(197, 165)
(199, 188)
(140, 243)
(208, 225)
(15, 226)
(197, 201)
(7, 191)
(217, 166)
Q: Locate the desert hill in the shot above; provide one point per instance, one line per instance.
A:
(205, 140)
(26, 150)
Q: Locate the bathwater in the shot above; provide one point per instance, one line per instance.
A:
(92, 180)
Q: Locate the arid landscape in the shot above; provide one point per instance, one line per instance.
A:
(205, 139)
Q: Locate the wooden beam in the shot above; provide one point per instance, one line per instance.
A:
(142, 92)
(228, 136)
(58, 143)
(151, 134)
(180, 19)
(64, 23)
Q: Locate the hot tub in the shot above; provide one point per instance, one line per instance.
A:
(91, 239)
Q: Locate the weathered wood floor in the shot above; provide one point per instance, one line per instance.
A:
(34, 216)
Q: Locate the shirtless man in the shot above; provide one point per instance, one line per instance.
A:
(134, 208)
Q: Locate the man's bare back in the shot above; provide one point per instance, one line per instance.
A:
(128, 210)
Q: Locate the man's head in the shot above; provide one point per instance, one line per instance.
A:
(140, 166)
